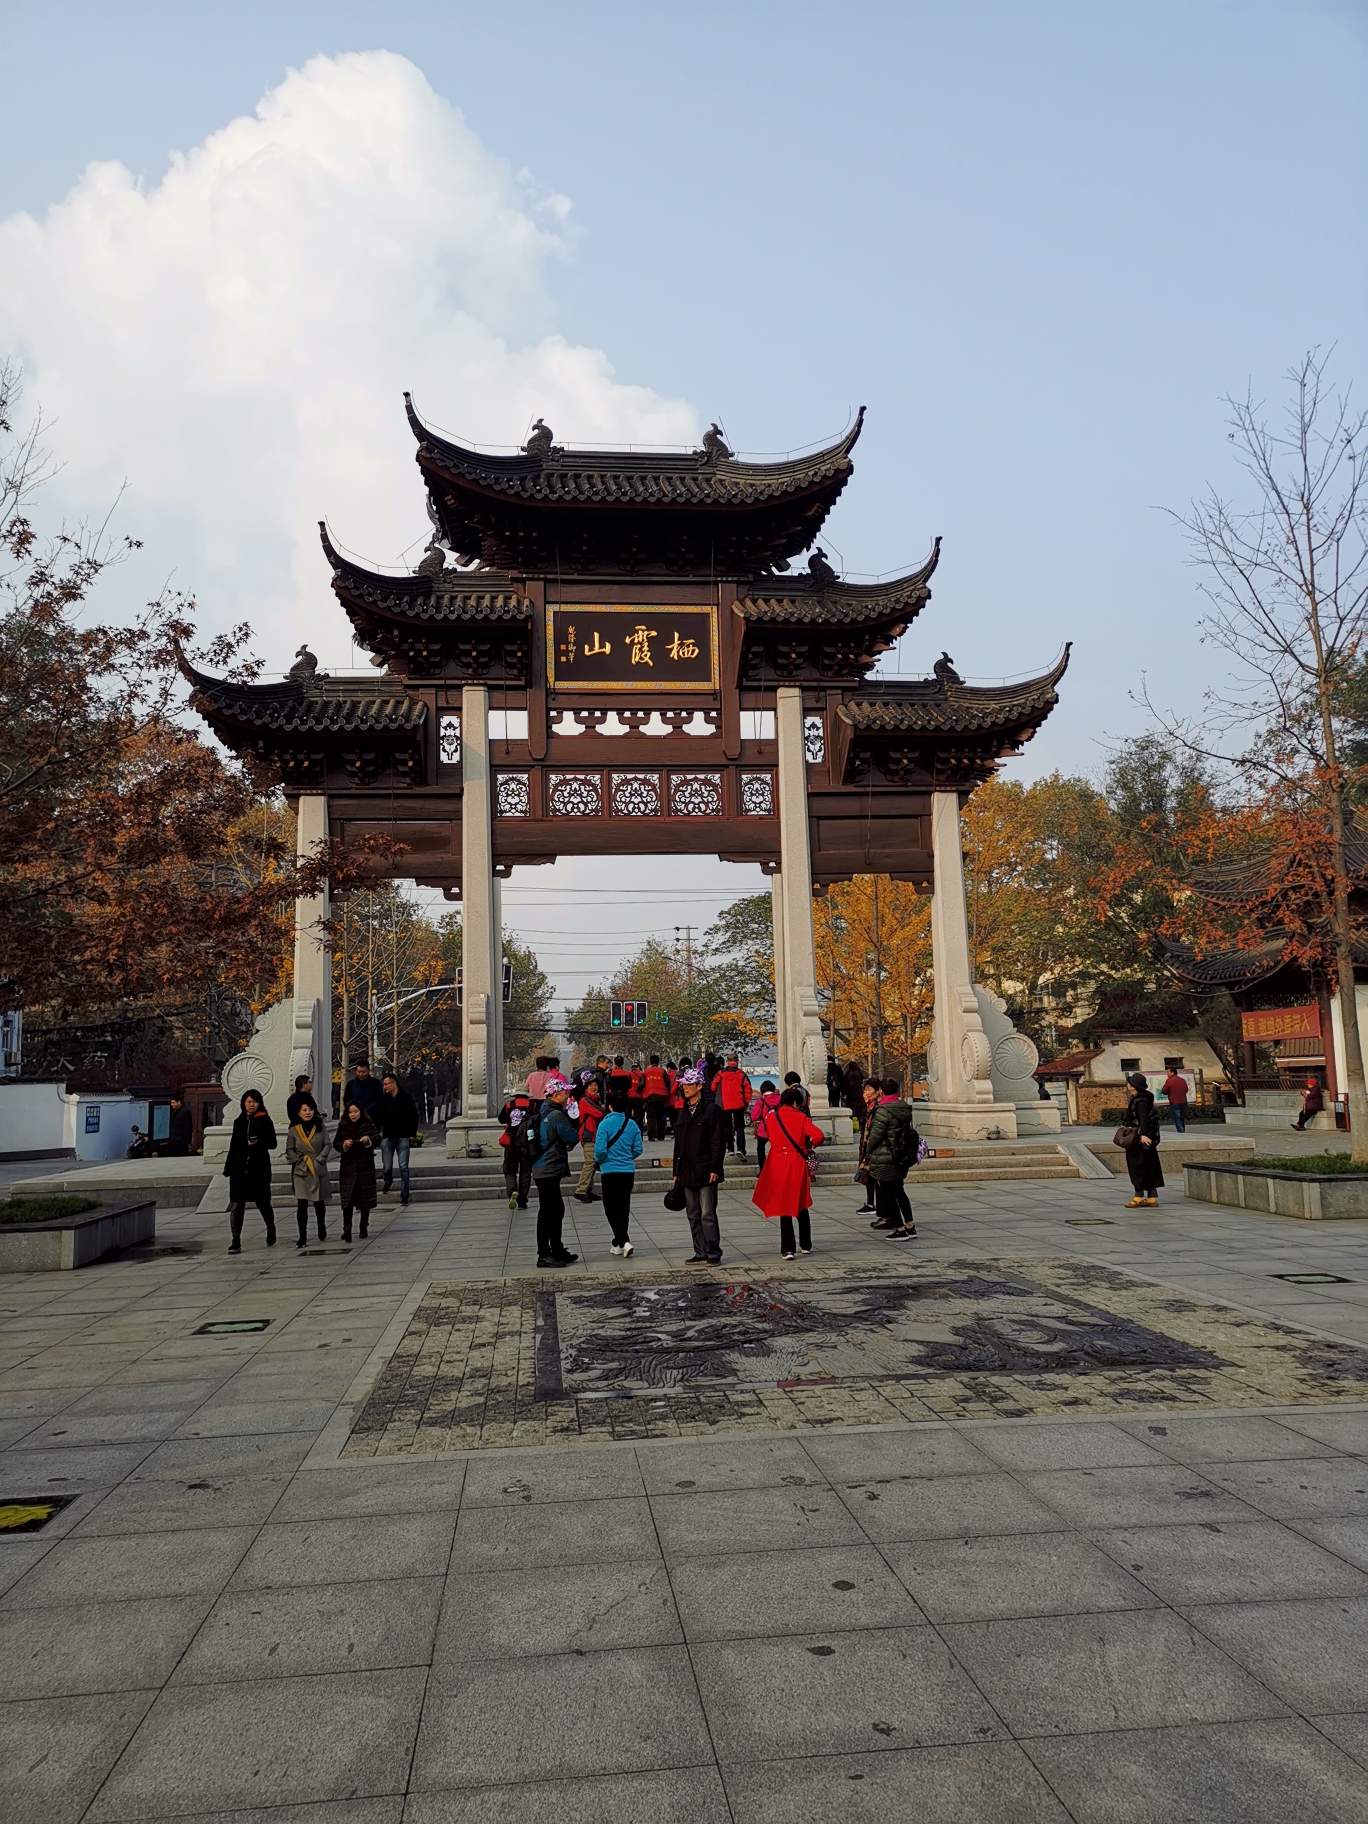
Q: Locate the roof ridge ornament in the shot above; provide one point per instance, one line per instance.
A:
(715, 448)
(819, 569)
(540, 444)
(944, 668)
(304, 672)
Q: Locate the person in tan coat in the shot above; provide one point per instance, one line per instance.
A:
(307, 1150)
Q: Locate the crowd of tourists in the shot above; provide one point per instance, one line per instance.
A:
(378, 1115)
(708, 1109)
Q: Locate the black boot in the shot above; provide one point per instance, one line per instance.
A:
(302, 1218)
(319, 1211)
(346, 1225)
(270, 1228)
(365, 1224)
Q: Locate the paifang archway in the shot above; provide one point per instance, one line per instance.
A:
(620, 660)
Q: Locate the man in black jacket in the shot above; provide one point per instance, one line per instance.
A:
(363, 1090)
(397, 1118)
(700, 1141)
(181, 1131)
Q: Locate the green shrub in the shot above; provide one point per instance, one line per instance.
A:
(1311, 1165)
(1118, 1115)
(46, 1209)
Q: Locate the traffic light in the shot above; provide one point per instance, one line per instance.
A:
(615, 1013)
(628, 1013)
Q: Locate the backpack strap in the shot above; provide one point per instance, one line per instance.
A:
(802, 1144)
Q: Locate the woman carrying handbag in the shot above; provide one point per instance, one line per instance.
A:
(1140, 1139)
(784, 1187)
(307, 1149)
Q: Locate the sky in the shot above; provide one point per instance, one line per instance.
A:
(1039, 242)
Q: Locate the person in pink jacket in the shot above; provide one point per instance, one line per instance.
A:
(760, 1108)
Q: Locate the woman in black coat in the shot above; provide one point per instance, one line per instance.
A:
(248, 1168)
(354, 1146)
(1142, 1159)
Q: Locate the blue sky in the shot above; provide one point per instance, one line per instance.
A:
(1039, 242)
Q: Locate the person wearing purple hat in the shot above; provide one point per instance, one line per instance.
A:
(699, 1145)
(555, 1134)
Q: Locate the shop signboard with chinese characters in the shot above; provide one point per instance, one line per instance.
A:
(631, 648)
(1281, 1023)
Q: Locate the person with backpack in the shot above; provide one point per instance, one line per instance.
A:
(732, 1093)
(617, 1147)
(517, 1161)
(784, 1187)
(890, 1153)
(869, 1097)
(590, 1114)
(550, 1137)
(793, 1081)
(760, 1110)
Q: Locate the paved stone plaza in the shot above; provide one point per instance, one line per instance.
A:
(296, 1579)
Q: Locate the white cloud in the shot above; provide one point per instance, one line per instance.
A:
(235, 342)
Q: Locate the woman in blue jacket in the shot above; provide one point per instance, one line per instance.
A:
(617, 1147)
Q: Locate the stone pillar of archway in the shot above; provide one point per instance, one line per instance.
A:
(981, 1069)
(802, 1045)
(481, 937)
(780, 973)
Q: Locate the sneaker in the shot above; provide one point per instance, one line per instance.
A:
(616, 1248)
(235, 1247)
(565, 1258)
(522, 1203)
(714, 1260)
(903, 1235)
(786, 1257)
(805, 1250)
(403, 1196)
(696, 1260)
(551, 1260)
(882, 1222)
(865, 1209)
(583, 1197)
(627, 1248)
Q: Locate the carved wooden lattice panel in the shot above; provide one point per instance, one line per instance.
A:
(635, 794)
(512, 795)
(574, 794)
(757, 794)
(695, 794)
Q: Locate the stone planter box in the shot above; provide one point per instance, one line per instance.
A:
(1309, 1196)
(75, 1241)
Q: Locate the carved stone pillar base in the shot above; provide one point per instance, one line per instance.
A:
(966, 1120)
(465, 1131)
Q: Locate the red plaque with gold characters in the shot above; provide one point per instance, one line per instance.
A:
(1281, 1023)
(631, 648)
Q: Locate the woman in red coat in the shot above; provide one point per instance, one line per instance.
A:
(784, 1188)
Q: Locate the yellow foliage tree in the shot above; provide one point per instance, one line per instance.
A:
(874, 971)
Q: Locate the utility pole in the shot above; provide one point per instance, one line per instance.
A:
(688, 951)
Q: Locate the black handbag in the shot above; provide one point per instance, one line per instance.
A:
(674, 1197)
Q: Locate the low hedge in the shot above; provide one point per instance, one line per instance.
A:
(46, 1209)
(1311, 1165)
(1166, 1115)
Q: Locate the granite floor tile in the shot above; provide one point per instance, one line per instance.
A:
(54, 1752)
(1230, 1438)
(290, 1554)
(1346, 1430)
(1313, 1654)
(563, 1609)
(270, 1454)
(1347, 1538)
(1311, 1488)
(1279, 1770)
(79, 1571)
(923, 1507)
(716, 1464)
(1137, 1497)
(338, 1627)
(978, 1783)
(350, 1491)
(837, 1693)
(1349, 1732)
(683, 1795)
(919, 1450)
(751, 1594)
(63, 1472)
(1080, 1445)
(109, 1646)
(1072, 1675)
(551, 1533)
(989, 1578)
(518, 1478)
(161, 1507)
(559, 1717)
(1243, 1561)
(251, 1417)
(72, 1431)
(269, 1742)
(751, 1520)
